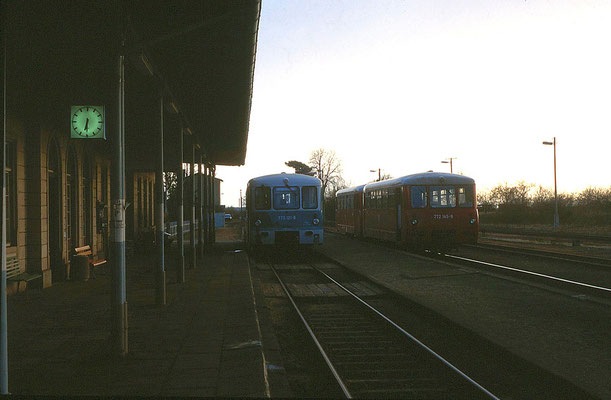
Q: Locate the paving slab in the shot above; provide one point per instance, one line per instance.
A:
(205, 342)
(562, 334)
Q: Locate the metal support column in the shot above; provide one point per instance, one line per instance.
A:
(206, 197)
(211, 222)
(160, 287)
(180, 264)
(119, 328)
(3, 303)
(201, 208)
(198, 210)
(192, 230)
(213, 197)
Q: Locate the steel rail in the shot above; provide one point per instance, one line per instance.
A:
(411, 337)
(591, 261)
(559, 235)
(322, 351)
(587, 285)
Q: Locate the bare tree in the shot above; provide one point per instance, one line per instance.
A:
(170, 183)
(327, 167)
(383, 177)
(299, 167)
(505, 194)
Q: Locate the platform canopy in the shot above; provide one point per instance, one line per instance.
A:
(205, 53)
(199, 53)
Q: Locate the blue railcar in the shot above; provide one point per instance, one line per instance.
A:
(284, 209)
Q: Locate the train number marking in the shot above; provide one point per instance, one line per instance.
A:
(443, 216)
(287, 218)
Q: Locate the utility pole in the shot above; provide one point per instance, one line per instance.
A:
(556, 215)
(240, 204)
(450, 162)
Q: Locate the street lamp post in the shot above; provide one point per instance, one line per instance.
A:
(449, 162)
(556, 216)
(379, 173)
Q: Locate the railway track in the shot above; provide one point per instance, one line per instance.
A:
(562, 278)
(368, 354)
(545, 254)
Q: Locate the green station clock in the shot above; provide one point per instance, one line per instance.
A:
(87, 122)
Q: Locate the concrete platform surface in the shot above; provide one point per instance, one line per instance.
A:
(562, 334)
(207, 340)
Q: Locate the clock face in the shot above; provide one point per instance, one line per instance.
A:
(87, 122)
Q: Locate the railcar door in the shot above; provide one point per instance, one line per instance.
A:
(354, 210)
(398, 208)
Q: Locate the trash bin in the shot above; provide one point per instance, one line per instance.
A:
(58, 270)
(79, 268)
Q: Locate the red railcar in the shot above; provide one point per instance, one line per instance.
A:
(429, 210)
(349, 211)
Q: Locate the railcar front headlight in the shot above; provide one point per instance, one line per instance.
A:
(414, 221)
(258, 222)
(473, 220)
(316, 221)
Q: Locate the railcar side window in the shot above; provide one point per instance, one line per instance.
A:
(419, 196)
(286, 197)
(262, 198)
(310, 200)
(465, 196)
(443, 196)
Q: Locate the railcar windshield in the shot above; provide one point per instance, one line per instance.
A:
(465, 196)
(262, 198)
(309, 197)
(419, 196)
(286, 197)
(443, 196)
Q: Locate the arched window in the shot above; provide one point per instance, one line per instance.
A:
(54, 196)
(138, 207)
(87, 205)
(151, 215)
(72, 198)
(11, 193)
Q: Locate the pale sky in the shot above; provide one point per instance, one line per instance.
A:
(403, 85)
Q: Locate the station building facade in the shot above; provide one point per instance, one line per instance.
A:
(57, 199)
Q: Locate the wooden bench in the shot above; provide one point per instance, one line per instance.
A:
(86, 251)
(14, 274)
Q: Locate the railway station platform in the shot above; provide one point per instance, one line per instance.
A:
(555, 330)
(208, 341)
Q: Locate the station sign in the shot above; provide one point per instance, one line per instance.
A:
(87, 122)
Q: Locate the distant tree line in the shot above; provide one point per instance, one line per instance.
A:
(525, 203)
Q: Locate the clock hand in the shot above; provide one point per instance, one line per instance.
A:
(86, 124)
